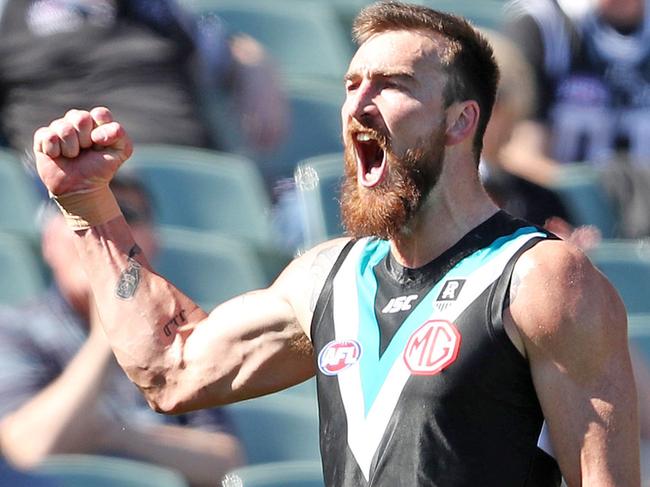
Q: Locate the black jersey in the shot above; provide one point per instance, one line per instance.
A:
(418, 383)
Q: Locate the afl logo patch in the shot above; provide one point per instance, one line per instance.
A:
(338, 355)
(432, 347)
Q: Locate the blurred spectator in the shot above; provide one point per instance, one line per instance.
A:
(146, 59)
(61, 390)
(520, 197)
(592, 63)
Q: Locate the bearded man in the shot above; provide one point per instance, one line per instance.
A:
(453, 345)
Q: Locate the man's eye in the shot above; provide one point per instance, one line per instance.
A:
(351, 86)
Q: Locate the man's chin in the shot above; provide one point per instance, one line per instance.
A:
(382, 215)
(387, 210)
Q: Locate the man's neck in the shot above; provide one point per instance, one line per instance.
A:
(447, 215)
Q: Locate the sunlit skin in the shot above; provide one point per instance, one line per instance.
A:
(395, 85)
(383, 191)
(60, 253)
(399, 93)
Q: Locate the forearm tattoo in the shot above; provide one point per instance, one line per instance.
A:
(129, 279)
(179, 319)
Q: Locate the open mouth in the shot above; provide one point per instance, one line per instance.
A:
(371, 159)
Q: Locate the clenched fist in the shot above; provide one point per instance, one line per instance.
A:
(81, 151)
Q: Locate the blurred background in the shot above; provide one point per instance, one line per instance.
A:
(234, 106)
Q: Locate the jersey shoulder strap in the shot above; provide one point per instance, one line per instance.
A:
(326, 291)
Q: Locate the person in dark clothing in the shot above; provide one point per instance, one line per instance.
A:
(62, 392)
(522, 198)
(147, 59)
(591, 62)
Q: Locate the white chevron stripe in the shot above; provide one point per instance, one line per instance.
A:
(346, 324)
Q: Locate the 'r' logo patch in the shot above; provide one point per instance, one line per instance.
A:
(449, 293)
(451, 290)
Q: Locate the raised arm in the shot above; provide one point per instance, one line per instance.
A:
(181, 357)
(571, 325)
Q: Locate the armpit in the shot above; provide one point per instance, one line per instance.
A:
(301, 345)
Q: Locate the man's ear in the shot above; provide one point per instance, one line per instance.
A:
(462, 119)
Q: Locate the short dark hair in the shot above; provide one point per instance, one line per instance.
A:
(472, 72)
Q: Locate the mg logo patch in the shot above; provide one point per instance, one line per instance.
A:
(432, 347)
(338, 355)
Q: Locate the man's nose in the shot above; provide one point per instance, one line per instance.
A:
(362, 105)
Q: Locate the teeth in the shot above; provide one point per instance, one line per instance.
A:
(363, 137)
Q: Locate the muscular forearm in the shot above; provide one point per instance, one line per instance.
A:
(143, 315)
(63, 417)
(202, 457)
(181, 358)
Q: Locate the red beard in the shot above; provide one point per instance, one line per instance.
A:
(385, 210)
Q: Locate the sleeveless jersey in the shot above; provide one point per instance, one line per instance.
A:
(418, 382)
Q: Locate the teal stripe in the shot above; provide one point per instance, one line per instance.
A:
(374, 369)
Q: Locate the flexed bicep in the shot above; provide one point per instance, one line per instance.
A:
(249, 346)
(259, 342)
(574, 334)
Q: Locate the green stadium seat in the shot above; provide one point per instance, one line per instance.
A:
(318, 182)
(304, 36)
(23, 274)
(315, 127)
(204, 190)
(277, 474)
(346, 11)
(11, 477)
(304, 389)
(18, 196)
(482, 13)
(209, 268)
(638, 330)
(626, 263)
(103, 471)
(277, 427)
(580, 189)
